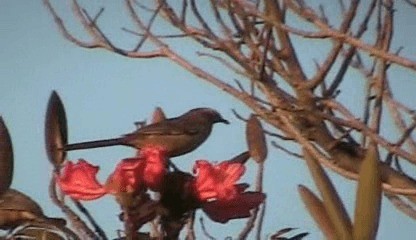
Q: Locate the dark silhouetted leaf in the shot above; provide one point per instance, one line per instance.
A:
(240, 158)
(299, 236)
(280, 235)
(56, 133)
(6, 158)
(176, 207)
(158, 115)
(317, 211)
(368, 200)
(283, 231)
(256, 140)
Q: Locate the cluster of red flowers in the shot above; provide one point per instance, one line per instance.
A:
(213, 186)
(223, 199)
(131, 175)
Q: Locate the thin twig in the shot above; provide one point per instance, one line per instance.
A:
(252, 219)
(90, 218)
(285, 150)
(261, 219)
(74, 219)
(401, 205)
(190, 233)
(204, 230)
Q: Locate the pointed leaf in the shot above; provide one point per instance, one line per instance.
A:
(240, 158)
(280, 235)
(331, 200)
(283, 231)
(368, 200)
(299, 236)
(317, 211)
(158, 115)
(6, 158)
(256, 140)
(56, 133)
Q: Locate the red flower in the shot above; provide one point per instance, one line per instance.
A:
(154, 167)
(79, 181)
(239, 207)
(127, 177)
(131, 174)
(221, 198)
(217, 181)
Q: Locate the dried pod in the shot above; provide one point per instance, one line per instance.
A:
(6, 158)
(56, 132)
(38, 233)
(318, 212)
(158, 115)
(369, 195)
(256, 140)
(332, 202)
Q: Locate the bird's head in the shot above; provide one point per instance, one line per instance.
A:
(208, 113)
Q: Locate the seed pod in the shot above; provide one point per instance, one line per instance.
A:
(56, 131)
(256, 140)
(6, 158)
(16, 209)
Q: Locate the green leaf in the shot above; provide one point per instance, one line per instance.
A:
(368, 200)
(56, 132)
(331, 200)
(6, 158)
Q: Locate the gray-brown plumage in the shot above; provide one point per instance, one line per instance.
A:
(178, 135)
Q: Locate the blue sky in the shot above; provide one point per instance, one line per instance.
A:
(104, 94)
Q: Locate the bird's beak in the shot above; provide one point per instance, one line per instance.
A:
(224, 121)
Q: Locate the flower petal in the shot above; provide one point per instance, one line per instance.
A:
(127, 177)
(223, 211)
(155, 166)
(217, 181)
(79, 181)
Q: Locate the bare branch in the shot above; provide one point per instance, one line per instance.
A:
(75, 220)
(401, 205)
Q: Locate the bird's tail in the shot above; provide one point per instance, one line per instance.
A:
(95, 144)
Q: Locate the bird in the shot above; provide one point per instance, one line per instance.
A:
(177, 136)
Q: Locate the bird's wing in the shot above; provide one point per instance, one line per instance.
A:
(167, 128)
